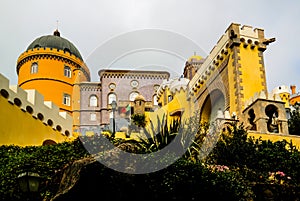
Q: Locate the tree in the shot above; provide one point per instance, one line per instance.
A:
(294, 121)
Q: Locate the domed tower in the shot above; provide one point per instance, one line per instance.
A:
(192, 65)
(53, 66)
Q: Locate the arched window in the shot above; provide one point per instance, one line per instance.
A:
(132, 95)
(67, 71)
(93, 101)
(34, 68)
(155, 100)
(272, 123)
(67, 99)
(251, 119)
(112, 97)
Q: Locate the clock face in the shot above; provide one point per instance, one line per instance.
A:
(112, 85)
(134, 83)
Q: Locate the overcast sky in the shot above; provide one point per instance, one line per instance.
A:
(100, 28)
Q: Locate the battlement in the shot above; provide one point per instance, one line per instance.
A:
(174, 85)
(52, 53)
(235, 35)
(48, 50)
(244, 31)
(32, 101)
(179, 84)
(165, 84)
(264, 96)
(210, 64)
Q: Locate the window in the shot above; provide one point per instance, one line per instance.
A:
(155, 100)
(34, 68)
(132, 95)
(93, 101)
(67, 100)
(93, 117)
(251, 119)
(112, 86)
(272, 123)
(111, 97)
(170, 98)
(134, 83)
(67, 71)
(156, 87)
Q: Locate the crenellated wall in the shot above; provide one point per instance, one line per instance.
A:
(265, 113)
(26, 119)
(53, 54)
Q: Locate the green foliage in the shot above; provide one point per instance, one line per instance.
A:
(237, 168)
(45, 160)
(139, 120)
(192, 134)
(186, 180)
(256, 158)
(294, 122)
(183, 180)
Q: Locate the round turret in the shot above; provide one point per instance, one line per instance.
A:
(53, 66)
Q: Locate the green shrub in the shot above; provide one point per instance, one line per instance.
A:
(45, 160)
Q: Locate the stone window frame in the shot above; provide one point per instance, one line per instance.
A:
(93, 102)
(67, 71)
(109, 100)
(67, 99)
(34, 67)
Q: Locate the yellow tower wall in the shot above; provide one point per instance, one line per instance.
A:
(50, 80)
(251, 71)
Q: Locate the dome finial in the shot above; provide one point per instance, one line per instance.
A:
(56, 32)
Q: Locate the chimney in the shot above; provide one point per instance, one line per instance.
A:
(293, 88)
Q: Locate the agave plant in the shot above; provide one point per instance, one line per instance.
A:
(189, 136)
(193, 133)
(156, 138)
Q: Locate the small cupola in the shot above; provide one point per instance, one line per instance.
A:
(56, 33)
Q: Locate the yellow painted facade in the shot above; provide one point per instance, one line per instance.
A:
(26, 119)
(251, 72)
(274, 137)
(226, 79)
(285, 97)
(21, 128)
(232, 75)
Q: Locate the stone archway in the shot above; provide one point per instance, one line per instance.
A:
(272, 122)
(214, 101)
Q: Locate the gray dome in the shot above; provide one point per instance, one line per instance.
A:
(55, 41)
